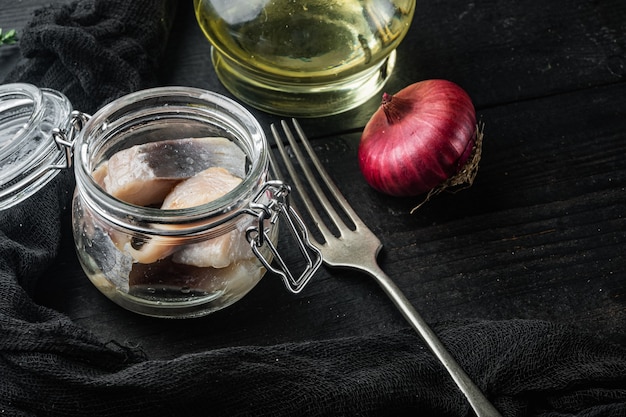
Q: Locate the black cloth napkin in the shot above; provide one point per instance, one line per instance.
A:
(97, 50)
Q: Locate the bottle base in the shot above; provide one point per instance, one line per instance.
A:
(298, 98)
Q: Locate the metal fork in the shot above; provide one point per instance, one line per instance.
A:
(357, 248)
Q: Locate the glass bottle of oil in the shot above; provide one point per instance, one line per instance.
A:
(304, 58)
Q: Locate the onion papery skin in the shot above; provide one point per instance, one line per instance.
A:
(418, 138)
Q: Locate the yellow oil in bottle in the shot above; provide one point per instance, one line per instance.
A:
(304, 58)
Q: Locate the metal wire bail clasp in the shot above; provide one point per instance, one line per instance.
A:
(64, 138)
(278, 208)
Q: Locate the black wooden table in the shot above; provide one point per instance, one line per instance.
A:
(540, 235)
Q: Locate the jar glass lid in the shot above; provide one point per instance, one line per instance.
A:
(29, 155)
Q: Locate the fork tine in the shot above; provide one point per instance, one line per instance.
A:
(295, 178)
(320, 194)
(339, 197)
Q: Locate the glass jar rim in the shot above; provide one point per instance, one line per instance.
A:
(199, 103)
(10, 96)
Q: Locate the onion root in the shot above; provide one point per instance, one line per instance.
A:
(465, 177)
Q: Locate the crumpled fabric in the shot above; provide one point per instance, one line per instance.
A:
(95, 51)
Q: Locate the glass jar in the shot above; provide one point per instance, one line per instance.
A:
(194, 256)
(304, 58)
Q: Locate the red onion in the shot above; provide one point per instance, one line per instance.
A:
(421, 139)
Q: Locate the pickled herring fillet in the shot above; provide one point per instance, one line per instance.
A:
(220, 251)
(204, 187)
(100, 173)
(145, 174)
(166, 276)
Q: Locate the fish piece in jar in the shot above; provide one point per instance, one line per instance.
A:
(206, 186)
(145, 174)
(202, 188)
(220, 251)
(166, 276)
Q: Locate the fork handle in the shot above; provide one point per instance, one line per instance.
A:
(479, 403)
